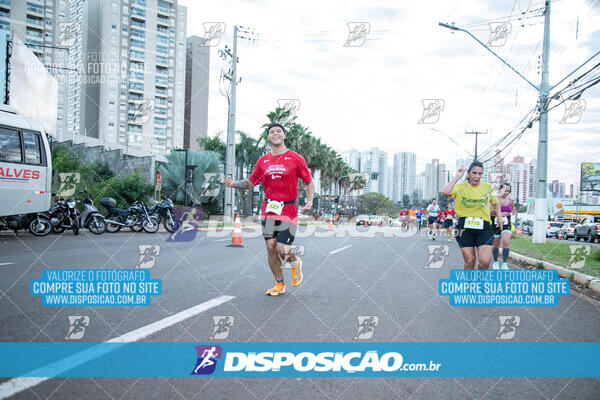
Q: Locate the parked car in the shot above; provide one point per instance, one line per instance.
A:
(552, 228)
(361, 219)
(589, 230)
(375, 220)
(567, 230)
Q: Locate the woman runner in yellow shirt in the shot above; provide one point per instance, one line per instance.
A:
(473, 199)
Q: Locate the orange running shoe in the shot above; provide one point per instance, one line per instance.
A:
(276, 290)
(297, 272)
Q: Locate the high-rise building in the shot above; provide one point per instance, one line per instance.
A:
(128, 73)
(352, 158)
(197, 65)
(404, 175)
(373, 163)
(517, 174)
(532, 179)
(420, 186)
(435, 178)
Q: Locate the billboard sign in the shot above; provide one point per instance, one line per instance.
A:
(33, 91)
(590, 176)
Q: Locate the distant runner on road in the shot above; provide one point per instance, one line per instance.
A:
(279, 171)
(433, 212)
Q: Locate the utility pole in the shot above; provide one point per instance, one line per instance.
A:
(476, 135)
(540, 202)
(230, 146)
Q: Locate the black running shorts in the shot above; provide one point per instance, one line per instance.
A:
(474, 237)
(448, 223)
(283, 231)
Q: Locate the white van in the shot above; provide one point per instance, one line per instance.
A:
(25, 165)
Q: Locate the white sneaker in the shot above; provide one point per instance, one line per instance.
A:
(495, 265)
(504, 266)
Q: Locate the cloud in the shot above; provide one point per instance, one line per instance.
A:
(362, 97)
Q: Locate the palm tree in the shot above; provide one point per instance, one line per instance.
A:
(173, 173)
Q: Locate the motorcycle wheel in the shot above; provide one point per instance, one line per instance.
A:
(39, 226)
(150, 225)
(110, 227)
(169, 224)
(76, 227)
(97, 225)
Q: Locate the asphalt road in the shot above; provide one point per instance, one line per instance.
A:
(345, 277)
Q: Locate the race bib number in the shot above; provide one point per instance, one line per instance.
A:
(473, 223)
(275, 207)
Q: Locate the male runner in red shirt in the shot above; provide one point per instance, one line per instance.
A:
(279, 171)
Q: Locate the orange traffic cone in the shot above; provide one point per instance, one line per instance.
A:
(330, 224)
(236, 238)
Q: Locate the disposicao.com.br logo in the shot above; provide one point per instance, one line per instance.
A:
(315, 363)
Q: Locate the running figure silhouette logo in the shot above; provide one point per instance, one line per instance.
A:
(207, 359)
(432, 110)
(77, 325)
(437, 255)
(148, 254)
(579, 253)
(213, 32)
(68, 183)
(573, 111)
(291, 105)
(223, 324)
(499, 32)
(357, 33)
(508, 326)
(366, 326)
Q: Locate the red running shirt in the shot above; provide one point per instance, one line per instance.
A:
(447, 213)
(279, 176)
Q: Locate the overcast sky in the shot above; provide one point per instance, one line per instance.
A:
(371, 95)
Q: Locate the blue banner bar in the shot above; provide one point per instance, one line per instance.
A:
(299, 359)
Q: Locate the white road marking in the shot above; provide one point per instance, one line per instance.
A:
(6, 264)
(340, 249)
(222, 240)
(16, 385)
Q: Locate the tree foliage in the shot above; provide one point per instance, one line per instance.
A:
(378, 204)
(99, 180)
(173, 175)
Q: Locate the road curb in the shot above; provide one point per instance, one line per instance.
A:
(588, 281)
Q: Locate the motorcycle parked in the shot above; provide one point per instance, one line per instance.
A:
(90, 217)
(163, 212)
(37, 224)
(63, 215)
(133, 217)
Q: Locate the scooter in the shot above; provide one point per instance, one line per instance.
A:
(90, 217)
